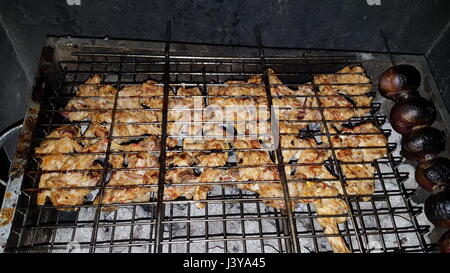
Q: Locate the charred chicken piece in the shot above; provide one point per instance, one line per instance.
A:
(130, 182)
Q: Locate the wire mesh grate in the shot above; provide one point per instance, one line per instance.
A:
(233, 220)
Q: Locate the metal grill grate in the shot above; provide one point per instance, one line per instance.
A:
(233, 220)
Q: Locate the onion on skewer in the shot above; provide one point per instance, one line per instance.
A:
(433, 173)
(423, 144)
(399, 79)
(437, 208)
(412, 112)
(444, 242)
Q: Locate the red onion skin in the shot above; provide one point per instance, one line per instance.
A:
(411, 112)
(423, 144)
(423, 181)
(437, 208)
(444, 242)
(433, 173)
(398, 79)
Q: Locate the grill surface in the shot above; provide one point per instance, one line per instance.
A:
(232, 220)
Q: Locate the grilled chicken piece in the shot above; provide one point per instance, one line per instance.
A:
(266, 189)
(246, 144)
(327, 207)
(194, 91)
(201, 192)
(342, 106)
(147, 95)
(277, 88)
(137, 160)
(350, 90)
(301, 107)
(362, 136)
(287, 127)
(269, 189)
(342, 95)
(337, 107)
(185, 103)
(152, 102)
(99, 142)
(360, 186)
(347, 75)
(126, 193)
(61, 162)
(296, 102)
(212, 159)
(238, 108)
(148, 88)
(97, 116)
(235, 109)
(184, 129)
(88, 107)
(184, 159)
(367, 135)
(202, 145)
(94, 79)
(193, 159)
(370, 136)
(63, 145)
(124, 103)
(184, 112)
(186, 108)
(97, 130)
(241, 174)
(129, 116)
(254, 86)
(60, 140)
(357, 95)
(124, 123)
(131, 181)
(90, 97)
(311, 172)
(376, 138)
(101, 117)
(96, 146)
(177, 176)
(140, 144)
(294, 149)
(239, 130)
(54, 180)
(69, 131)
(66, 197)
(136, 130)
(181, 159)
(256, 158)
(96, 90)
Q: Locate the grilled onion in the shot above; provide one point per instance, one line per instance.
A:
(437, 208)
(432, 173)
(444, 242)
(399, 79)
(412, 112)
(423, 144)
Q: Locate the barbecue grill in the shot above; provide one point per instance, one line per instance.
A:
(233, 220)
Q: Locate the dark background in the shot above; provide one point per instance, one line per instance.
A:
(412, 26)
